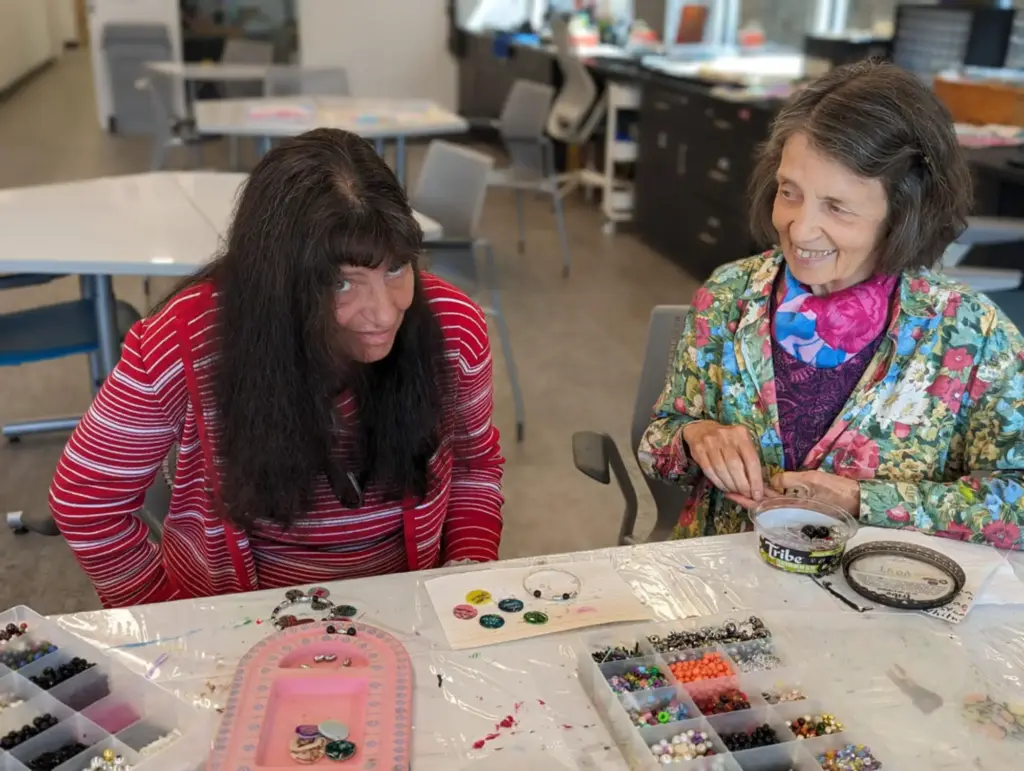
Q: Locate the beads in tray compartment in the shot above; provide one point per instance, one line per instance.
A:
(731, 631)
(685, 745)
(782, 695)
(728, 700)
(755, 656)
(659, 714)
(639, 678)
(852, 757)
(51, 676)
(811, 726)
(16, 656)
(616, 653)
(705, 667)
(160, 743)
(14, 702)
(762, 736)
(108, 760)
(48, 761)
(37, 726)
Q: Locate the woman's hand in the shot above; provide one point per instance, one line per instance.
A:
(829, 488)
(727, 456)
(835, 490)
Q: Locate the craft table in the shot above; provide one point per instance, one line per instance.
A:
(192, 647)
(151, 224)
(376, 119)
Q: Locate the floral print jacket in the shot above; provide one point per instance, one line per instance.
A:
(934, 430)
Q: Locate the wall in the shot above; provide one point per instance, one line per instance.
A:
(391, 48)
(103, 12)
(62, 22)
(25, 41)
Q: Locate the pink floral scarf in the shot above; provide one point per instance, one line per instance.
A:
(827, 331)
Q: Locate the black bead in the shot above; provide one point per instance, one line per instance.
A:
(331, 629)
(12, 629)
(566, 595)
(536, 593)
(351, 631)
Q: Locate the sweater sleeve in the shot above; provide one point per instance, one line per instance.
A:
(111, 460)
(985, 504)
(472, 528)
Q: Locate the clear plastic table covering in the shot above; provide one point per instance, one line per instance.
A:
(192, 647)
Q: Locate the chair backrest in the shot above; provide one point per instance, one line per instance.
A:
(523, 120)
(662, 338)
(291, 81)
(242, 51)
(452, 187)
(158, 89)
(575, 102)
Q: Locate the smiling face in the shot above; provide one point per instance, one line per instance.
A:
(828, 219)
(369, 305)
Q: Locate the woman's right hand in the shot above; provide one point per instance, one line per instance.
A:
(727, 456)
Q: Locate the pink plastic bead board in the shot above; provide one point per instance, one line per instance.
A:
(284, 682)
(763, 671)
(64, 702)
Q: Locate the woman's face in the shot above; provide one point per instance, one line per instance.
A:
(829, 220)
(369, 305)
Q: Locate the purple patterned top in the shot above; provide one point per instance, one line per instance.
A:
(810, 398)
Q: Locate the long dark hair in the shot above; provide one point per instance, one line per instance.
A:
(313, 204)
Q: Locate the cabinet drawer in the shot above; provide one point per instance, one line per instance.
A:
(712, 236)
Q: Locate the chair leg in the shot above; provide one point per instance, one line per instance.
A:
(197, 155)
(562, 235)
(233, 153)
(506, 348)
(521, 220)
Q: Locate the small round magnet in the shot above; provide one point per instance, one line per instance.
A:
(478, 597)
(464, 612)
(307, 750)
(343, 611)
(340, 750)
(319, 592)
(535, 617)
(307, 730)
(490, 621)
(333, 730)
(293, 594)
(510, 605)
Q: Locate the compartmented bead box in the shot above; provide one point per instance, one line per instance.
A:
(718, 694)
(65, 705)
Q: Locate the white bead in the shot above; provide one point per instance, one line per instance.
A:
(690, 732)
(665, 760)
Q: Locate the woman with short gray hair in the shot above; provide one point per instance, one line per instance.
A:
(837, 365)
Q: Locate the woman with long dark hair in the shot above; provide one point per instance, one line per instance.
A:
(331, 402)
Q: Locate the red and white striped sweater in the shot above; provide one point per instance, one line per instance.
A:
(160, 392)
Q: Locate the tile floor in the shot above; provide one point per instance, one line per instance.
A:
(578, 344)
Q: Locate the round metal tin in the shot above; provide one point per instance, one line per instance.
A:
(903, 575)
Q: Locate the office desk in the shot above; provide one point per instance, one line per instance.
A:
(152, 224)
(376, 119)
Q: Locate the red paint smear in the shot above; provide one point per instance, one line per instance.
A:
(259, 621)
(541, 702)
(566, 727)
(586, 609)
(479, 744)
(517, 705)
(508, 722)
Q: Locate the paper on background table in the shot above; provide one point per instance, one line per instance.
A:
(604, 598)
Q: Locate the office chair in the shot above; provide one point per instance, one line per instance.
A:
(451, 189)
(531, 156)
(597, 455)
(169, 130)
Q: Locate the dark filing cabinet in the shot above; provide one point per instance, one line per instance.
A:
(486, 79)
(695, 158)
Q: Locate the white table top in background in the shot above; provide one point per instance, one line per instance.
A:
(370, 118)
(212, 71)
(459, 696)
(152, 224)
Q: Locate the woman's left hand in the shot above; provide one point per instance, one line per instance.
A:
(832, 489)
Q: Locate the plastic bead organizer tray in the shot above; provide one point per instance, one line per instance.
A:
(105, 706)
(783, 677)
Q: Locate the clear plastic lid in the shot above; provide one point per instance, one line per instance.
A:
(788, 521)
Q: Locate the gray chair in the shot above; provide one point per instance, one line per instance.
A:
(451, 189)
(169, 130)
(597, 455)
(293, 81)
(531, 157)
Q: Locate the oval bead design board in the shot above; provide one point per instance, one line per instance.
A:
(273, 693)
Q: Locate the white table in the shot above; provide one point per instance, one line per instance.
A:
(215, 71)
(376, 119)
(151, 224)
(460, 696)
